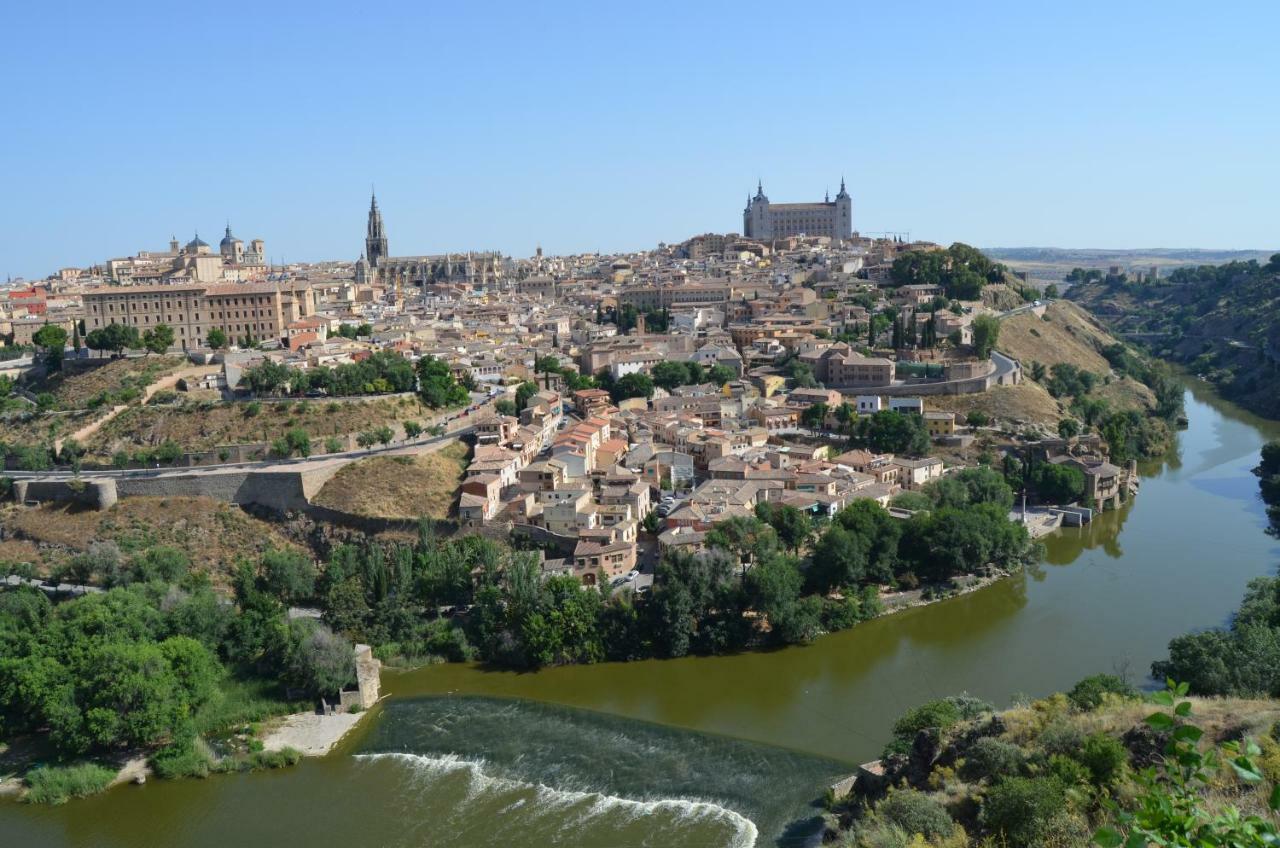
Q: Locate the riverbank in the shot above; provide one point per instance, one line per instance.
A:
(311, 734)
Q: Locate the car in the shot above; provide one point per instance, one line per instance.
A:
(633, 574)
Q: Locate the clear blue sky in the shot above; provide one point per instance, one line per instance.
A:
(615, 126)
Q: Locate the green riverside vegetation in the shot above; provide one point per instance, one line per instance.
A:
(1094, 766)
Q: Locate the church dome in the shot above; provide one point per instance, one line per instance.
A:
(228, 240)
(196, 243)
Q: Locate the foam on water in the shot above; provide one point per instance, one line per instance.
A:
(577, 806)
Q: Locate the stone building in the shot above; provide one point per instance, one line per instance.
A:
(765, 221)
(259, 310)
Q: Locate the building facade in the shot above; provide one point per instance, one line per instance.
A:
(765, 221)
(256, 310)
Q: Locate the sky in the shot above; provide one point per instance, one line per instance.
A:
(603, 126)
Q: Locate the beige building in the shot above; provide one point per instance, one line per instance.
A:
(260, 310)
(830, 218)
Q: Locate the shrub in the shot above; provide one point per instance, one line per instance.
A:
(274, 759)
(412, 429)
(992, 758)
(252, 408)
(181, 758)
(59, 784)
(1069, 771)
(332, 445)
(1088, 693)
(1019, 809)
(1061, 738)
(916, 812)
(1104, 757)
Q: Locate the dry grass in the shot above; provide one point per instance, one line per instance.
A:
(1070, 335)
(1025, 403)
(201, 426)
(399, 486)
(1127, 394)
(213, 534)
(85, 380)
(74, 388)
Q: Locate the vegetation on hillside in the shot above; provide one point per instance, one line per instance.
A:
(1093, 766)
(1220, 321)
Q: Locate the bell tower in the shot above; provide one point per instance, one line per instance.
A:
(375, 240)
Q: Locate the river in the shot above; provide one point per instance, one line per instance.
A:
(727, 751)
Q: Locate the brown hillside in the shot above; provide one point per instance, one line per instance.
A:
(1069, 335)
(1025, 403)
(425, 485)
(201, 426)
(212, 533)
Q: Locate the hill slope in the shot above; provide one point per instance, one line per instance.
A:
(1222, 322)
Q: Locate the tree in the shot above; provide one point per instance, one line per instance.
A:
(632, 386)
(216, 339)
(267, 377)
(53, 340)
(298, 441)
(1057, 484)
(986, 332)
(114, 337)
(793, 526)
(721, 374)
(814, 416)
(890, 431)
(158, 339)
(437, 386)
(524, 391)
(505, 406)
(320, 660)
(1068, 428)
(839, 559)
(412, 429)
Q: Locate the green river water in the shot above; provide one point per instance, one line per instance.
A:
(725, 751)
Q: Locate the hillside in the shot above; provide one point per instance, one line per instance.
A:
(195, 426)
(408, 487)
(213, 534)
(1046, 773)
(1221, 322)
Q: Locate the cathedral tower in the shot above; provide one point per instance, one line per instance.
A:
(375, 241)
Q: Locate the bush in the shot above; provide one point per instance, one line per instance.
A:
(251, 409)
(1069, 771)
(992, 758)
(1061, 738)
(1019, 809)
(1088, 693)
(274, 759)
(915, 812)
(181, 758)
(59, 784)
(1104, 757)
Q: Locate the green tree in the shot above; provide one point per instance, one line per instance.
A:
(52, 339)
(524, 391)
(890, 431)
(437, 386)
(320, 660)
(793, 526)
(814, 416)
(158, 339)
(216, 339)
(289, 575)
(986, 333)
(632, 386)
(1057, 484)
